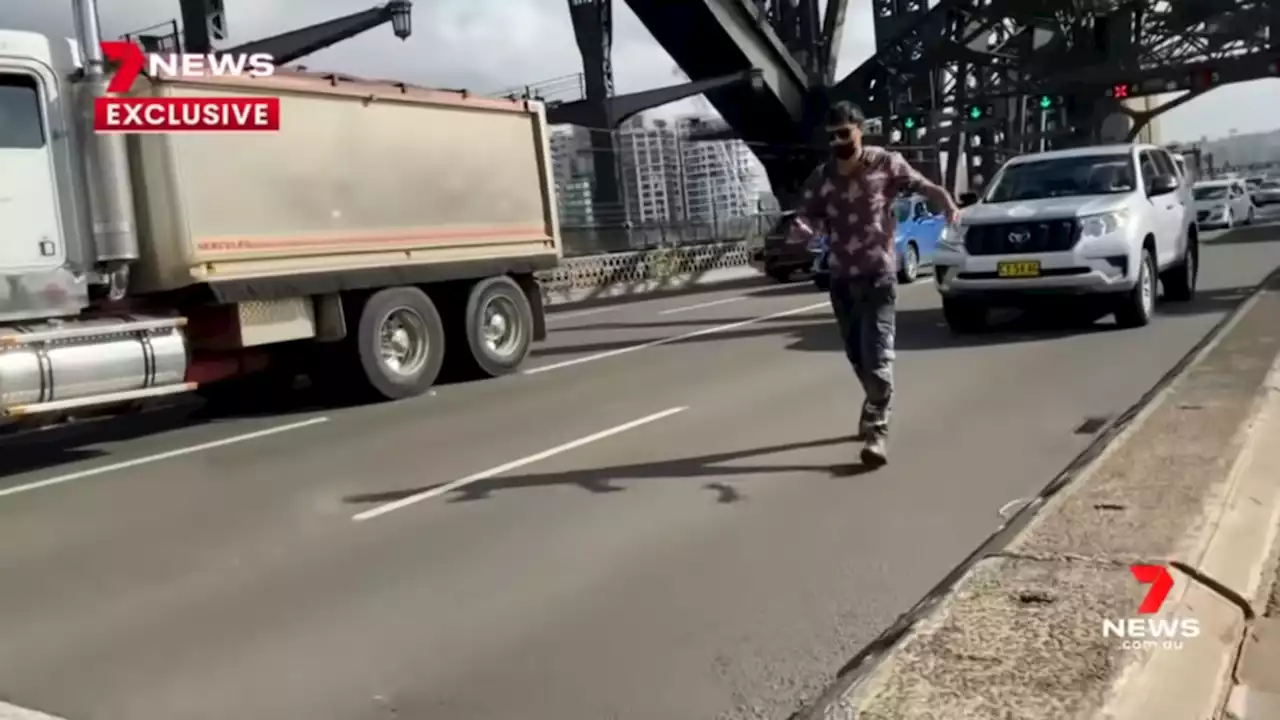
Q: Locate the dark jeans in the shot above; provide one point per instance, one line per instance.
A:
(866, 314)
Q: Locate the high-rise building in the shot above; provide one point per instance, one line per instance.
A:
(571, 169)
(649, 166)
(722, 178)
(664, 176)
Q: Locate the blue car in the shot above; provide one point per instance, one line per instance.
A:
(919, 229)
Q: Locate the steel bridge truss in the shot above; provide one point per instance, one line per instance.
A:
(982, 80)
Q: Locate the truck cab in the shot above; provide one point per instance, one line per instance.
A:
(45, 273)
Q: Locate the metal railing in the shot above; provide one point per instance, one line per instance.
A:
(583, 240)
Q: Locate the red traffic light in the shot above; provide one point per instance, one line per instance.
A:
(1120, 91)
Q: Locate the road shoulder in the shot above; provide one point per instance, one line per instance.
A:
(1187, 485)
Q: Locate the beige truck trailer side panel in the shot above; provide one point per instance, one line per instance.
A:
(360, 175)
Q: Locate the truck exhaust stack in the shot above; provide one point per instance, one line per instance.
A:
(115, 235)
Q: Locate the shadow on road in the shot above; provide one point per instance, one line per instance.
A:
(612, 479)
(30, 450)
(918, 329)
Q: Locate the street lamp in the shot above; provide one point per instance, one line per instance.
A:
(400, 21)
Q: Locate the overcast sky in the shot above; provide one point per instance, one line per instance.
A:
(492, 45)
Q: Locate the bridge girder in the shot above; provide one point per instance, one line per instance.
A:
(937, 63)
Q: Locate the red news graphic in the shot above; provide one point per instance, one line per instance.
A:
(1161, 583)
(171, 115)
(183, 114)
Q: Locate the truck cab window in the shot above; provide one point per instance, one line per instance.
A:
(21, 125)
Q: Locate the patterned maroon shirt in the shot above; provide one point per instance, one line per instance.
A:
(857, 211)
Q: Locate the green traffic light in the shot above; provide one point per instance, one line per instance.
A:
(975, 113)
(1045, 102)
(910, 123)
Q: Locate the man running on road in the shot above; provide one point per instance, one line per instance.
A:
(853, 196)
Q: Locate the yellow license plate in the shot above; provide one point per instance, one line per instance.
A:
(1025, 269)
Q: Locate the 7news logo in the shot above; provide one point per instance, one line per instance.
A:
(119, 112)
(1152, 630)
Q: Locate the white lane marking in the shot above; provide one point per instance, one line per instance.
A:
(673, 338)
(699, 306)
(514, 464)
(147, 459)
(13, 712)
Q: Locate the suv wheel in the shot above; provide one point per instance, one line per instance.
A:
(782, 275)
(964, 316)
(1179, 281)
(1136, 307)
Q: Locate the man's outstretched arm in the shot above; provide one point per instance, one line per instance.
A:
(906, 177)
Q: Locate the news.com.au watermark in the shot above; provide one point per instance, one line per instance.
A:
(1150, 631)
(120, 114)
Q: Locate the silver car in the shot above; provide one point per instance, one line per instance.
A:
(1268, 193)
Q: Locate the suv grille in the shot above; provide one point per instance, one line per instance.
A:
(1018, 238)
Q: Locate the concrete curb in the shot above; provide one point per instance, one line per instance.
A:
(1190, 484)
(1238, 554)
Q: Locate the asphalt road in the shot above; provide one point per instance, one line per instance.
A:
(661, 519)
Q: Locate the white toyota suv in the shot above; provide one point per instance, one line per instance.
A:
(1093, 224)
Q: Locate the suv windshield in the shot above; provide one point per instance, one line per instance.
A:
(1270, 184)
(1210, 192)
(1064, 177)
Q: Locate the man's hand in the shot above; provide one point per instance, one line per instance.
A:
(942, 198)
(952, 213)
(800, 231)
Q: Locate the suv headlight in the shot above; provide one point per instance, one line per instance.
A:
(952, 238)
(1103, 224)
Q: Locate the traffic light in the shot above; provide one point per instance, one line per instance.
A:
(975, 112)
(1120, 92)
(1045, 102)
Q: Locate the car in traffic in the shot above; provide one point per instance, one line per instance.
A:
(778, 258)
(1222, 203)
(918, 229)
(1102, 226)
(1268, 193)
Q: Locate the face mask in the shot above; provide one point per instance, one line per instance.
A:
(843, 151)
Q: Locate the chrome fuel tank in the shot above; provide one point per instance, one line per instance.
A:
(63, 365)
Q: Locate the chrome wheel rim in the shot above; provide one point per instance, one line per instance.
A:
(912, 262)
(500, 326)
(403, 343)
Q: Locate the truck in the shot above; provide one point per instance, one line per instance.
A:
(385, 229)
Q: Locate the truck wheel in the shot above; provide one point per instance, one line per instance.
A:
(1136, 307)
(399, 343)
(964, 317)
(1179, 281)
(498, 326)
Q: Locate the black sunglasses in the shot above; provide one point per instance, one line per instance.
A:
(843, 135)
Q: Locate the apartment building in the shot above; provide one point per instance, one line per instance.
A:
(571, 168)
(664, 176)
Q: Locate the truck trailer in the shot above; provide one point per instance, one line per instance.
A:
(383, 229)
